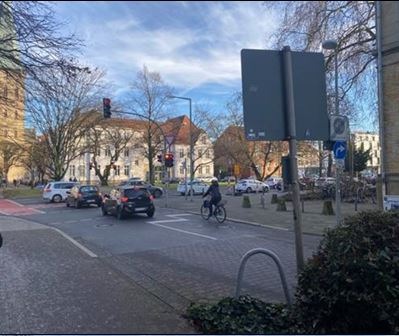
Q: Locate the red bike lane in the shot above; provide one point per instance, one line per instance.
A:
(12, 208)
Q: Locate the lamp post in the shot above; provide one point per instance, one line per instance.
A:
(332, 45)
(191, 145)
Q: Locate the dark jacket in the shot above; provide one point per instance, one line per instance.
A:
(213, 191)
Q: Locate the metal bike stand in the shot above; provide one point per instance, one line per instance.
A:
(275, 258)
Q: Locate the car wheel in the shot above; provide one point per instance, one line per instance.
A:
(119, 214)
(249, 190)
(78, 205)
(56, 198)
(157, 193)
(150, 212)
(99, 204)
(103, 211)
(265, 189)
(67, 204)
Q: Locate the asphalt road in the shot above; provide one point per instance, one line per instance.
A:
(174, 238)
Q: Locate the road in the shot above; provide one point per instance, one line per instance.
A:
(194, 259)
(68, 270)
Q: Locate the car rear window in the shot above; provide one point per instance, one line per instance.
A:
(89, 189)
(134, 192)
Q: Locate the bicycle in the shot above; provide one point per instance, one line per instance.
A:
(219, 211)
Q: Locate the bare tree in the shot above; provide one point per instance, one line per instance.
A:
(262, 157)
(148, 100)
(304, 25)
(62, 115)
(31, 40)
(111, 137)
(9, 155)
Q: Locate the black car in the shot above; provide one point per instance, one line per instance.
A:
(157, 192)
(128, 200)
(81, 195)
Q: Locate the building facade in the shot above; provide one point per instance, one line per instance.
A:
(369, 141)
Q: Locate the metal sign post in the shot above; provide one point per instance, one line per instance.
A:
(339, 155)
(289, 87)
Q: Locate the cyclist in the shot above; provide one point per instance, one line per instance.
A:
(215, 194)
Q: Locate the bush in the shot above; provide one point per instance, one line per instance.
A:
(245, 315)
(351, 285)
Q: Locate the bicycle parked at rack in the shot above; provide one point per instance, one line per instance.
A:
(219, 211)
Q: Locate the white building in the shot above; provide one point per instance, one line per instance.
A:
(369, 140)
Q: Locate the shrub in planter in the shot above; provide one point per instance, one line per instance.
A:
(351, 285)
(245, 315)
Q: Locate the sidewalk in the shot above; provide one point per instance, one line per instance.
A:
(313, 221)
(49, 286)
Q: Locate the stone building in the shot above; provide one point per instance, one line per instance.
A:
(369, 140)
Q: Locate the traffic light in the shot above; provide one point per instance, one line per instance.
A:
(168, 160)
(159, 157)
(107, 107)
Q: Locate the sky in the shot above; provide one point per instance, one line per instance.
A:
(195, 46)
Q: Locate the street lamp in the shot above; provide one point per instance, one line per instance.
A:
(191, 145)
(332, 45)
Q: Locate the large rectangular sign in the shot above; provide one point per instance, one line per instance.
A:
(264, 100)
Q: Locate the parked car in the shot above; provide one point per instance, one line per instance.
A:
(198, 187)
(81, 195)
(324, 181)
(205, 178)
(273, 182)
(228, 179)
(250, 185)
(128, 200)
(57, 191)
(157, 192)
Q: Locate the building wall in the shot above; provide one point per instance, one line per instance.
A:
(369, 141)
(390, 88)
(12, 116)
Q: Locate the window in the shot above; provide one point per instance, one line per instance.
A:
(5, 92)
(126, 153)
(181, 170)
(203, 140)
(16, 115)
(72, 170)
(82, 171)
(136, 162)
(16, 94)
(208, 154)
(200, 170)
(126, 170)
(5, 133)
(99, 169)
(15, 134)
(117, 170)
(199, 152)
(208, 170)
(98, 152)
(181, 152)
(5, 113)
(107, 151)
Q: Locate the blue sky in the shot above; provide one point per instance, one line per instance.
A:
(195, 46)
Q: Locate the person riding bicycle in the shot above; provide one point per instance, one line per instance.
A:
(215, 194)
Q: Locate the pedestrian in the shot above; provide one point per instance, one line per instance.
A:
(75, 179)
(70, 179)
(14, 182)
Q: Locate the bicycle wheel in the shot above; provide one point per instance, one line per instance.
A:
(204, 212)
(220, 214)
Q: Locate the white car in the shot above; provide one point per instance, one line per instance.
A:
(197, 186)
(273, 181)
(57, 191)
(250, 185)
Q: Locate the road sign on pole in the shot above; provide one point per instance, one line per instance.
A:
(264, 95)
(339, 149)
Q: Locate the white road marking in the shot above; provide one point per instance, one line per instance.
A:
(156, 223)
(73, 241)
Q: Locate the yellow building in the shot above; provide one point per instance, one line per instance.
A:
(12, 103)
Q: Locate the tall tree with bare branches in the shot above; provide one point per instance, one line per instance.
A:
(148, 100)
(304, 25)
(61, 115)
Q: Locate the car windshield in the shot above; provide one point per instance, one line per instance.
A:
(134, 192)
(88, 189)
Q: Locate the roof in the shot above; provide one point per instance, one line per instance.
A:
(179, 129)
